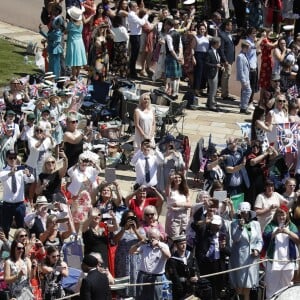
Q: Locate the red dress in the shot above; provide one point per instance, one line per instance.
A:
(87, 28)
(190, 42)
(266, 64)
(136, 208)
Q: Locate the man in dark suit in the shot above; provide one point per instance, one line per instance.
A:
(227, 53)
(95, 285)
(213, 63)
(212, 248)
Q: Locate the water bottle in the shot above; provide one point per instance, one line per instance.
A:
(26, 59)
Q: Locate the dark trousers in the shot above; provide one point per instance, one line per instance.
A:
(134, 53)
(217, 282)
(200, 78)
(240, 13)
(253, 82)
(11, 210)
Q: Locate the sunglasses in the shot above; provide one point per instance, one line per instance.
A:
(22, 235)
(74, 122)
(85, 161)
(281, 101)
(39, 130)
(50, 162)
(149, 215)
(12, 157)
(20, 248)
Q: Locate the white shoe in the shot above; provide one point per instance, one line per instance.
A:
(251, 106)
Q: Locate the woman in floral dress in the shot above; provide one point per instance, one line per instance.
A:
(127, 264)
(266, 46)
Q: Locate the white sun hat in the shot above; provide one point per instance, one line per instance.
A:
(75, 13)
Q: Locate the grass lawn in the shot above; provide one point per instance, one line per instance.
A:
(12, 62)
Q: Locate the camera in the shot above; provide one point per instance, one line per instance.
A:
(132, 218)
(21, 168)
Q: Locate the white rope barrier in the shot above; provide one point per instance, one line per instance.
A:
(121, 285)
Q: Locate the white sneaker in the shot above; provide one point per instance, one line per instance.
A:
(251, 106)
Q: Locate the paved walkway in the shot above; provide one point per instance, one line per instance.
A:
(197, 123)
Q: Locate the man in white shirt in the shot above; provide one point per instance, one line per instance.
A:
(154, 255)
(135, 30)
(13, 180)
(147, 161)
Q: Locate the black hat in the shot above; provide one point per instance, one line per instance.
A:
(169, 138)
(90, 261)
(46, 109)
(11, 153)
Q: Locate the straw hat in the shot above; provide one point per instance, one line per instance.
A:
(75, 13)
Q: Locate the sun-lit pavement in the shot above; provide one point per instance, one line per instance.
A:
(197, 123)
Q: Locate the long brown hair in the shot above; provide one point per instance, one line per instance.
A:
(278, 212)
(183, 187)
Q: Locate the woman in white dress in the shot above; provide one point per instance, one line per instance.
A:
(144, 121)
(281, 239)
(278, 115)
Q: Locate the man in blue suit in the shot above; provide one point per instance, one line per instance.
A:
(243, 75)
(213, 63)
(227, 52)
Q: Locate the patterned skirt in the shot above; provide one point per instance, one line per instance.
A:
(173, 68)
(120, 59)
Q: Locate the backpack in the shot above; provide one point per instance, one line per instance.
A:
(45, 18)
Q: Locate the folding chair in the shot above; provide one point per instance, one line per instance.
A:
(174, 116)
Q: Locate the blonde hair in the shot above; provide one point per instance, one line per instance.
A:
(18, 231)
(150, 209)
(47, 158)
(142, 98)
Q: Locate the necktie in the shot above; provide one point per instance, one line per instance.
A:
(13, 183)
(147, 170)
(217, 56)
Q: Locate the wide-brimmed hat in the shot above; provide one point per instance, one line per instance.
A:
(75, 13)
(41, 200)
(288, 27)
(189, 2)
(49, 77)
(246, 207)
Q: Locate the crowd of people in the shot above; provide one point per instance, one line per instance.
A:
(249, 204)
